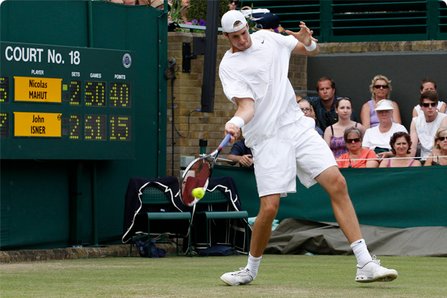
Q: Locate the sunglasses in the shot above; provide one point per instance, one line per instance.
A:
(381, 86)
(350, 141)
(305, 110)
(441, 138)
(429, 104)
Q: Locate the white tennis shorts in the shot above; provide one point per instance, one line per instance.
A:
(297, 150)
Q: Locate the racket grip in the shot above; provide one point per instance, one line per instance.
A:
(225, 141)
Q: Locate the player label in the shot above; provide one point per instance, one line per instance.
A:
(36, 89)
(36, 124)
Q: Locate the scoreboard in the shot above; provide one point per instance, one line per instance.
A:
(65, 102)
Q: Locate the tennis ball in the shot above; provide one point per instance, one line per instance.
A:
(198, 193)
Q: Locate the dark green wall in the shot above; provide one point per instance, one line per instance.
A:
(389, 197)
(51, 203)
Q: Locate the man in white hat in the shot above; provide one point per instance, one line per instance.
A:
(283, 141)
(378, 138)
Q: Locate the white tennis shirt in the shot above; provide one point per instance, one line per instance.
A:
(261, 73)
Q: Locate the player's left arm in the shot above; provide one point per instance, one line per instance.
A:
(307, 44)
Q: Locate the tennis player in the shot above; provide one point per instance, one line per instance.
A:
(283, 141)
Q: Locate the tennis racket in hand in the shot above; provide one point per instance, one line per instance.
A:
(198, 172)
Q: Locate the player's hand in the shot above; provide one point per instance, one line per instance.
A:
(233, 130)
(304, 35)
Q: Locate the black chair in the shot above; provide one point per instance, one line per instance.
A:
(223, 223)
(156, 206)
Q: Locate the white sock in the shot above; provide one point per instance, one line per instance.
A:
(253, 264)
(361, 252)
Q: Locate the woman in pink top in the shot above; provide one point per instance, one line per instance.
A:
(400, 146)
(333, 135)
(357, 156)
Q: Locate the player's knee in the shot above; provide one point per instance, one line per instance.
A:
(337, 183)
(269, 208)
(340, 182)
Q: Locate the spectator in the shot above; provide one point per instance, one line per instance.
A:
(333, 135)
(308, 111)
(233, 4)
(241, 154)
(380, 88)
(400, 144)
(378, 138)
(324, 104)
(356, 157)
(428, 85)
(184, 10)
(439, 154)
(423, 127)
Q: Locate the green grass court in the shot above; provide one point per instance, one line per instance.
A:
(172, 276)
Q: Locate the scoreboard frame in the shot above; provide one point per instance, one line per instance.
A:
(59, 102)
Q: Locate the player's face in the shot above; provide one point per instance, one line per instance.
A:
(401, 146)
(325, 90)
(240, 40)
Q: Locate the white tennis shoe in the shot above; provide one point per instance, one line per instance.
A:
(372, 271)
(241, 277)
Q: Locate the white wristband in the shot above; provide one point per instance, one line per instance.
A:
(311, 47)
(238, 121)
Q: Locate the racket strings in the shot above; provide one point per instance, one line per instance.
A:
(196, 176)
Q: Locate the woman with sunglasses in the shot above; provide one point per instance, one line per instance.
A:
(380, 88)
(357, 156)
(400, 146)
(439, 153)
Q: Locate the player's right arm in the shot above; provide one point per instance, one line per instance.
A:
(244, 113)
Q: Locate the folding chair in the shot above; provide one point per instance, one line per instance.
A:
(157, 203)
(219, 214)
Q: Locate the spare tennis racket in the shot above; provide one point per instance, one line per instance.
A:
(198, 172)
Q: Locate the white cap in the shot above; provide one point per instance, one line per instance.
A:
(384, 105)
(230, 18)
